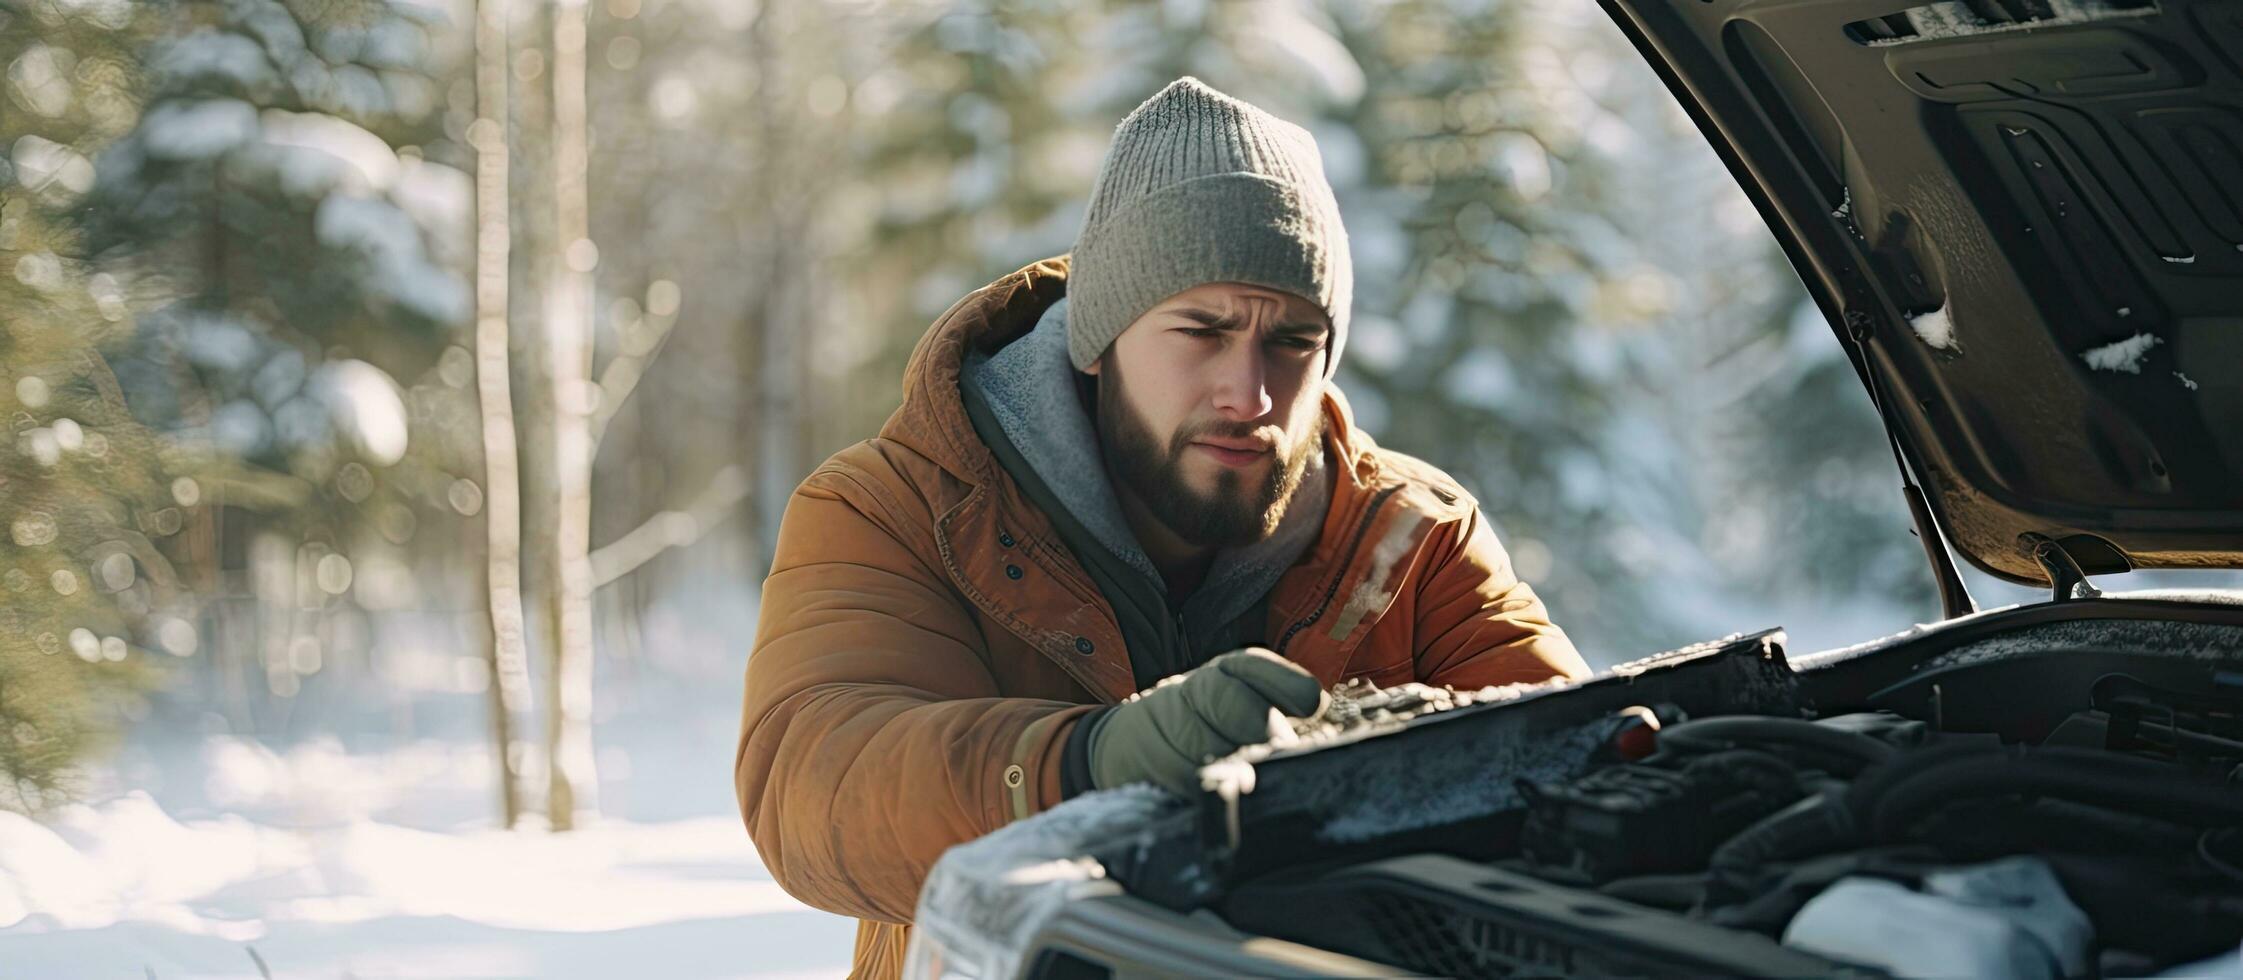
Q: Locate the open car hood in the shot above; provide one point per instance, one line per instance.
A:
(2025, 220)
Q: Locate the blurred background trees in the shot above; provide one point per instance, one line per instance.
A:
(392, 370)
(79, 494)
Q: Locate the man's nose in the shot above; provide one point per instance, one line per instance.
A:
(1242, 384)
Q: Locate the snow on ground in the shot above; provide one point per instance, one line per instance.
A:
(123, 888)
(325, 862)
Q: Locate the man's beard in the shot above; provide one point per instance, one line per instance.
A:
(1240, 510)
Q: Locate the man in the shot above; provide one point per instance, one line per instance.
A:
(1110, 469)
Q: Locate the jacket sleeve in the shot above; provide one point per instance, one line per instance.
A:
(872, 735)
(1481, 626)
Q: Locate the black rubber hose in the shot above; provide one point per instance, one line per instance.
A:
(1756, 731)
(1760, 770)
(1815, 825)
(1887, 806)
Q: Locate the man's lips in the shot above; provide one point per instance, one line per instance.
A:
(1234, 454)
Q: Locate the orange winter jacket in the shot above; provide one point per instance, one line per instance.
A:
(927, 640)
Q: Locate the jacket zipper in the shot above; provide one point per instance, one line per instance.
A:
(1353, 545)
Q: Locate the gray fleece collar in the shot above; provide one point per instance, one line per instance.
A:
(1029, 386)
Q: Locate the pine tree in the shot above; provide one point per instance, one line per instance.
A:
(265, 188)
(283, 211)
(85, 586)
(85, 591)
(1479, 249)
(974, 145)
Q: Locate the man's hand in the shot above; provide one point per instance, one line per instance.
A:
(1166, 732)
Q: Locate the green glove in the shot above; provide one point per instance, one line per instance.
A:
(1164, 733)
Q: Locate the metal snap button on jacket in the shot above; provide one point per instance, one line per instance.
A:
(1012, 571)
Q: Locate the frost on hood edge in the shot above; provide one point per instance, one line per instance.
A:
(2125, 355)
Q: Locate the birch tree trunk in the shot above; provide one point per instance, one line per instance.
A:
(572, 783)
(507, 653)
(791, 170)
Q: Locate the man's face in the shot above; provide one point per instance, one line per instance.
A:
(1220, 410)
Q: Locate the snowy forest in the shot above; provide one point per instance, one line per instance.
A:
(402, 398)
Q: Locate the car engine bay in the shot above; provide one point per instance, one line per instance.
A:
(2030, 793)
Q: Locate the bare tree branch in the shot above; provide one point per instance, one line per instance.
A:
(671, 528)
(621, 377)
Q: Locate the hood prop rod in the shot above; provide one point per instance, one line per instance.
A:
(1954, 596)
(2063, 570)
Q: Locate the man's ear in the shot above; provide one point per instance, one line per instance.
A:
(1094, 367)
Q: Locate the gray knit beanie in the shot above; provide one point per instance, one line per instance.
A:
(1200, 187)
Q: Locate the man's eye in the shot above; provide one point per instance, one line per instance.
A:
(1200, 332)
(1302, 344)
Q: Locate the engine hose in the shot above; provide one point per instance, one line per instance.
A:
(1818, 824)
(1755, 731)
(1891, 801)
(1761, 770)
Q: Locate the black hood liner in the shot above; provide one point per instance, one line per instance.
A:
(2062, 182)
